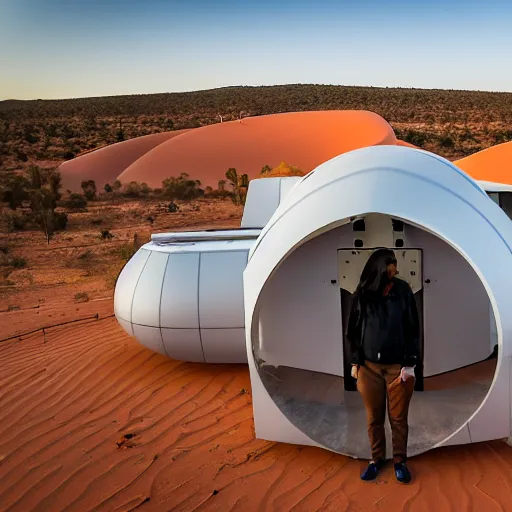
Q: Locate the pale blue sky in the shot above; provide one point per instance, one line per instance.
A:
(68, 48)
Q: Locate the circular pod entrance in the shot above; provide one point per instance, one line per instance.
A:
(453, 247)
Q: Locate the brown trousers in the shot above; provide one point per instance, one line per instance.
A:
(376, 382)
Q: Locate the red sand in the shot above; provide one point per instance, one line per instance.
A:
(491, 164)
(91, 420)
(303, 139)
(105, 164)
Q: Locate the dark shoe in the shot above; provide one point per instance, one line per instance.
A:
(402, 473)
(371, 472)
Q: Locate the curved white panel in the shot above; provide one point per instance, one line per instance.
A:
(424, 190)
(221, 295)
(146, 300)
(183, 344)
(287, 185)
(126, 283)
(179, 305)
(263, 197)
(224, 345)
(150, 337)
(127, 326)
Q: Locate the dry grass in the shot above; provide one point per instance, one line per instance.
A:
(79, 263)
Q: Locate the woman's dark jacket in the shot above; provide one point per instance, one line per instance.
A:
(386, 330)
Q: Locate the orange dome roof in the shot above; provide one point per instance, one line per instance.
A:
(492, 164)
(302, 139)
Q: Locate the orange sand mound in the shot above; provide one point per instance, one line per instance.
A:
(405, 144)
(105, 164)
(91, 420)
(491, 164)
(302, 139)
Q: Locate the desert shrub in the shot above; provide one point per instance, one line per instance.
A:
(76, 202)
(81, 297)
(415, 137)
(108, 188)
(446, 141)
(13, 220)
(67, 155)
(60, 221)
(150, 219)
(89, 188)
(182, 188)
(126, 251)
(18, 262)
(106, 234)
(132, 190)
(14, 189)
(173, 207)
(503, 136)
(239, 185)
(87, 255)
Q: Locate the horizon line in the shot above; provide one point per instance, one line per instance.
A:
(192, 91)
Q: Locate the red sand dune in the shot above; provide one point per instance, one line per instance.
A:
(491, 164)
(91, 420)
(303, 139)
(105, 164)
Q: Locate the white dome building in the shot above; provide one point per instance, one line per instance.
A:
(303, 245)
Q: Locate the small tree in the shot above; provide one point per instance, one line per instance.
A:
(120, 133)
(108, 188)
(222, 185)
(116, 186)
(265, 169)
(15, 190)
(89, 188)
(233, 179)
(243, 187)
(42, 203)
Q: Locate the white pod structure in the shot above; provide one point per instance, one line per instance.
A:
(276, 294)
(453, 245)
(181, 295)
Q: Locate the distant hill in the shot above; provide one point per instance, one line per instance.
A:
(451, 123)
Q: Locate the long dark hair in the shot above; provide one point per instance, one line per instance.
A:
(374, 277)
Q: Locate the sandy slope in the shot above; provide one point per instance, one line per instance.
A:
(105, 164)
(91, 420)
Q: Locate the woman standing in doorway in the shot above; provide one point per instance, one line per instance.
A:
(383, 330)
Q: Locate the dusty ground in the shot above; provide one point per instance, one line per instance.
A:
(91, 420)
